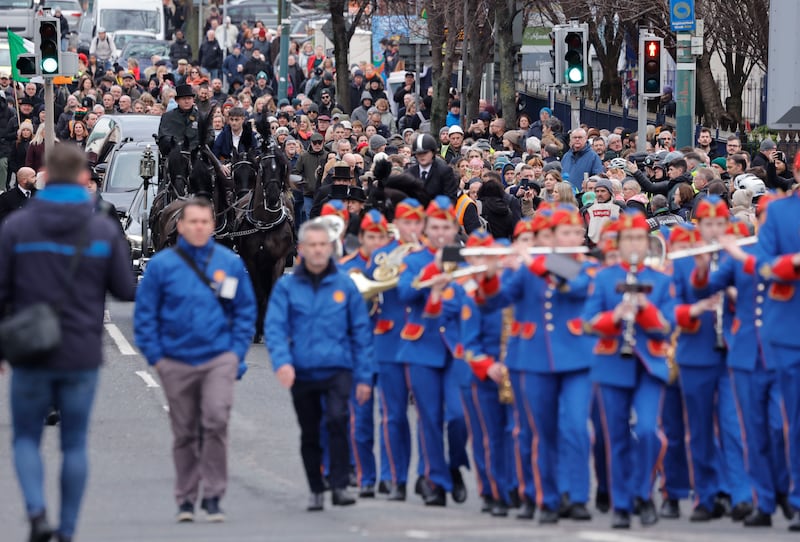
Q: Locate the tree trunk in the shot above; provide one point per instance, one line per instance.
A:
(441, 71)
(480, 50)
(611, 85)
(341, 48)
(709, 91)
(507, 56)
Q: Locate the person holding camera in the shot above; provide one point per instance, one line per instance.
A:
(58, 258)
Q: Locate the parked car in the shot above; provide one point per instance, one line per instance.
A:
(71, 9)
(143, 50)
(82, 35)
(112, 130)
(121, 174)
(259, 10)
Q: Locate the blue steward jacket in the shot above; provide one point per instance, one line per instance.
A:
(320, 330)
(179, 317)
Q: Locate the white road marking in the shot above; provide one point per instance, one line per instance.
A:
(106, 317)
(148, 379)
(598, 536)
(420, 535)
(122, 343)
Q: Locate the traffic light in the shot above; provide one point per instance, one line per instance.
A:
(26, 64)
(48, 45)
(556, 53)
(651, 67)
(575, 56)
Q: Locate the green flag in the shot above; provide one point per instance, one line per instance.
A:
(16, 47)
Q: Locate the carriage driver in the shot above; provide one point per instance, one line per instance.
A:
(180, 124)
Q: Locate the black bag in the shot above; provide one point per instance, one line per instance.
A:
(33, 333)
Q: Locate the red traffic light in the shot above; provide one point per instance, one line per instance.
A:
(573, 40)
(48, 30)
(652, 49)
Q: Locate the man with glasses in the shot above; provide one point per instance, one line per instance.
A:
(733, 145)
(580, 159)
(309, 167)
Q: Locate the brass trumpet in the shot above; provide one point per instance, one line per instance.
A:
(386, 273)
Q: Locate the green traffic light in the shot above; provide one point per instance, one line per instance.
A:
(50, 65)
(574, 74)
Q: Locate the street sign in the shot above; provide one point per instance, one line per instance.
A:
(681, 15)
(783, 96)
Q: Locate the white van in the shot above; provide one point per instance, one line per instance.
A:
(142, 17)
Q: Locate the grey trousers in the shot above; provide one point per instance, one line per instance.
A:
(200, 400)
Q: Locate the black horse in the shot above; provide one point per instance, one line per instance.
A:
(264, 236)
(387, 190)
(173, 188)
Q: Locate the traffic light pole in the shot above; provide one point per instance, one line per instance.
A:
(684, 91)
(49, 116)
(641, 129)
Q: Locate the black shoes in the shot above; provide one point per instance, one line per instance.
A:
(794, 525)
(758, 519)
(53, 417)
(670, 509)
(186, 512)
(367, 492)
(514, 500)
(564, 506)
(722, 505)
(701, 514)
(527, 509)
(459, 492)
(488, 502)
(647, 513)
(418, 485)
(621, 520)
(353, 478)
(384, 487)
(40, 529)
(342, 497)
(214, 513)
(741, 511)
(579, 512)
(782, 500)
(316, 502)
(432, 495)
(548, 516)
(602, 502)
(397, 492)
(499, 509)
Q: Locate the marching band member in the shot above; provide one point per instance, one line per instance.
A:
(675, 482)
(487, 416)
(635, 321)
(706, 386)
(395, 432)
(555, 386)
(425, 349)
(754, 376)
(778, 260)
(534, 232)
(373, 234)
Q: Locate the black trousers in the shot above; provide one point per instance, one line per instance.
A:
(307, 398)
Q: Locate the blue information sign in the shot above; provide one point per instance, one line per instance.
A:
(681, 15)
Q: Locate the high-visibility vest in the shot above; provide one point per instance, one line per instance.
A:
(463, 202)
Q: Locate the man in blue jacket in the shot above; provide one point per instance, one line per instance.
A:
(37, 244)
(194, 318)
(319, 337)
(580, 159)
